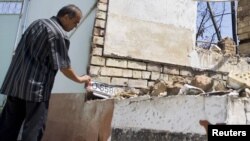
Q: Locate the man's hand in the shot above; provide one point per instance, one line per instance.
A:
(85, 79)
(69, 72)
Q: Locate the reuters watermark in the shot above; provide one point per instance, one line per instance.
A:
(226, 132)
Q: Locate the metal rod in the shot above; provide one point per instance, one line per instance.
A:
(214, 22)
(205, 42)
(222, 14)
(233, 22)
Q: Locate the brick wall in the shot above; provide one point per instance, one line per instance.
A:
(136, 73)
(243, 27)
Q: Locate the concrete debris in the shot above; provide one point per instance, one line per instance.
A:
(158, 88)
(237, 84)
(179, 79)
(220, 86)
(128, 92)
(203, 82)
(238, 80)
(124, 95)
(174, 89)
(144, 91)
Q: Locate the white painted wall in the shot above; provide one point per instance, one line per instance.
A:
(80, 41)
(159, 30)
(179, 113)
(238, 111)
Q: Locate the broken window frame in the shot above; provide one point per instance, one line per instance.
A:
(216, 28)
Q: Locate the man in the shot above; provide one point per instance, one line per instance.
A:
(41, 52)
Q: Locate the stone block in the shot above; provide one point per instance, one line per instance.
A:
(117, 63)
(97, 60)
(151, 83)
(155, 75)
(137, 74)
(98, 40)
(138, 83)
(102, 79)
(127, 73)
(102, 6)
(154, 67)
(146, 74)
(243, 24)
(97, 51)
(98, 32)
(101, 15)
(107, 71)
(244, 30)
(137, 65)
(186, 72)
(171, 70)
(244, 49)
(164, 77)
(94, 70)
(100, 23)
(119, 81)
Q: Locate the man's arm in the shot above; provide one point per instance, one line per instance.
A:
(69, 72)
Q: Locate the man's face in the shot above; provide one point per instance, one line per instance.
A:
(71, 23)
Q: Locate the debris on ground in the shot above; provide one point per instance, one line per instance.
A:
(237, 84)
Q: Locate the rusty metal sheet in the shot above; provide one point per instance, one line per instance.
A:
(71, 118)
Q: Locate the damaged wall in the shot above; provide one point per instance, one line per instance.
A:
(243, 25)
(117, 61)
(136, 73)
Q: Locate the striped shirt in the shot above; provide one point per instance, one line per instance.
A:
(41, 52)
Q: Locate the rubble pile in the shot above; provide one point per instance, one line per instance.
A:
(237, 84)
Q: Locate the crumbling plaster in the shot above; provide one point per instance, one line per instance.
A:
(218, 62)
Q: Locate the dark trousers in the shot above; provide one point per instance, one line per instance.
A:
(16, 112)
